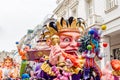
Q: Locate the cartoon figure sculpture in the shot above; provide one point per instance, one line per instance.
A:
(23, 53)
(38, 67)
(116, 69)
(107, 73)
(64, 62)
(114, 74)
(9, 71)
(90, 49)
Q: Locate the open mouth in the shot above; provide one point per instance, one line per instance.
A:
(72, 52)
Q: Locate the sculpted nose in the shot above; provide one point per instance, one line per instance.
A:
(73, 43)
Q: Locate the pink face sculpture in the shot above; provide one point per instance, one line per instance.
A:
(68, 31)
(68, 42)
(8, 62)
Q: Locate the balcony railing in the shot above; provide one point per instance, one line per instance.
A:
(59, 1)
(94, 20)
(111, 5)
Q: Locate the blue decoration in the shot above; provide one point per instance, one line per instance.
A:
(95, 42)
(91, 31)
(28, 45)
(25, 76)
(17, 42)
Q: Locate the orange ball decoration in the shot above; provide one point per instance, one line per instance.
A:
(115, 64)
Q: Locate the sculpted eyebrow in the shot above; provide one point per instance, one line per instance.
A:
(66, 35)
(69, 35)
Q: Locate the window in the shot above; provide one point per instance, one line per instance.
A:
(63, 14)
(74, 13)
(90, 7)
(74, 8)
(58, 1)
(90, 12)
(111, 4)
(115, 53)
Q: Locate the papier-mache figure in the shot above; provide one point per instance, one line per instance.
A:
(64, 62)
(116, 69)
(90, 49)
(113, 74)
(23, 54)
(9, 71)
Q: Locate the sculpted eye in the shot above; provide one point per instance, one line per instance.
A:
(67, 40)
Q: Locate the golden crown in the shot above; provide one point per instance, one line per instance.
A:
(56, 27)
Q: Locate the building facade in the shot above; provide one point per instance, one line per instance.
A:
(96, 13)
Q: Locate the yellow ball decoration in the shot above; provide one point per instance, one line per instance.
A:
(103, 27)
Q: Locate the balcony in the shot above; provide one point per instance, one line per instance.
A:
(94, 20)
(111, 5)
(59, 1)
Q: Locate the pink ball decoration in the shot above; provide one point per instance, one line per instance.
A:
(66, 74)
(64, 78)
(54, 68)
(59, 75)
(57, 72)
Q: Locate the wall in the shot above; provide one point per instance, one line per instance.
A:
(115, 40)
(82, 9)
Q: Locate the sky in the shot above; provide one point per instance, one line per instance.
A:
(17, 16)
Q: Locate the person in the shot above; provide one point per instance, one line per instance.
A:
(62, 38)
(23, 54)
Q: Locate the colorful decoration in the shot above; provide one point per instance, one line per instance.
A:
(103, 27)
(116, 65)
(23, 54)
(63, 59)
(17, 42)
(105, 44)
(25, 76)
(115, 73)
(9, 70)
(90, 48)
(66, 38)
(91, 31)
(63, 76)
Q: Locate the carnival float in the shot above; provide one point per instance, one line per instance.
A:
(68, 51)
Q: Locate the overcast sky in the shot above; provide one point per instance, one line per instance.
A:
(16, 16)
